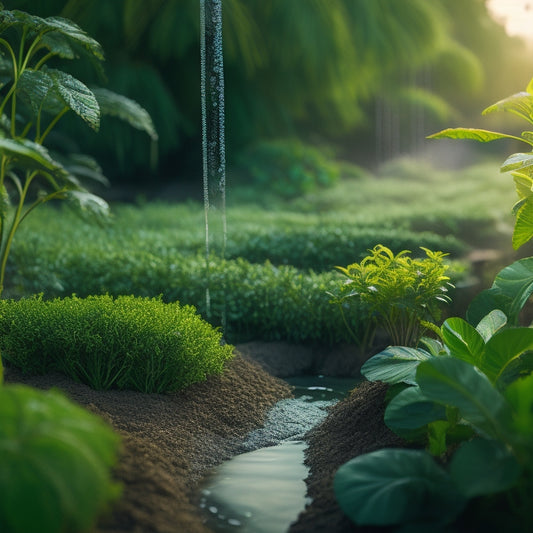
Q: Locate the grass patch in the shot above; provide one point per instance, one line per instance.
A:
(278, 266)
(125, 343)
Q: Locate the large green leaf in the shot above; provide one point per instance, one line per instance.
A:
(53, 454)
(77, 96)
(491, 323)
(53, 90)
(457, 383)
(520, 104)
(463, 341)
(523, 229)
(518, 161)
(503, 348)
(27, 155)
(473, 134)
(410, 409)
(510, 291)
(396, 364)
(395, 486)
(480, 467)
(126, 109)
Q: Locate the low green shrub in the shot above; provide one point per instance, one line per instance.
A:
(304, 242)
(55, 459)
(323, 247)
(402, 294)
(126, 343)
(260, 301)
(256, 295)
(288, 167)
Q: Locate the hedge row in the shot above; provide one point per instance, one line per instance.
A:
(125, 343)
(258, 301)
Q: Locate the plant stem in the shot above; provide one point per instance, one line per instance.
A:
(14, 225)
(55, 120)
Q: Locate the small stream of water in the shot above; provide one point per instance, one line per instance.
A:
(263, 490)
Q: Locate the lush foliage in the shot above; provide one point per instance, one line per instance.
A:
(154, 248)
(292, 71)
(126, 343)
(467, 398)
(261, 301)
(55, 459)
(520, 164)
(288, 167)
(35, 97)
(399, 293)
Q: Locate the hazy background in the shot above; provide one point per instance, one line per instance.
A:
(366, 79)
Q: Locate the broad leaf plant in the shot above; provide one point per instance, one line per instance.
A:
(34, 96)
(465, 399)
(520, 164)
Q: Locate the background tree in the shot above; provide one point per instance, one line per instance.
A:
(339, 72)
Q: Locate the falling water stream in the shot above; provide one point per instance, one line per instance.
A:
(213, 129)
(262, 490)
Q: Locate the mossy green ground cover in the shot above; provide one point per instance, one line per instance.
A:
(279, 256)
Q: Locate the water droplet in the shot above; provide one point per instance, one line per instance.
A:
(213, 509)
(234, 522)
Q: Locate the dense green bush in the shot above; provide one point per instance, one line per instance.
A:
(260, 301)
(288, 167)
(323, 247)
(55, 459)
(126, 343)
(303, 241)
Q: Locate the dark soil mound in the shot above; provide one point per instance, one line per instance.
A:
(353, 427)
(171, 441)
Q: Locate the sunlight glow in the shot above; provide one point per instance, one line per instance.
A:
(516, 15)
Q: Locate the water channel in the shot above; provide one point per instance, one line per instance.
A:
(263, 490)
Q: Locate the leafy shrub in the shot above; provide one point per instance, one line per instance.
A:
(55, 459)
(467, 399)
(260, 301)
(306, 242)
(126, 343)
(288, 167)
(396, 291)
(322, 247)
(36, 97)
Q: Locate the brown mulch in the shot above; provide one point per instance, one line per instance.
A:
(171, 441)
(352, 427)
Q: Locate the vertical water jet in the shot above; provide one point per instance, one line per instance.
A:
(213, 131)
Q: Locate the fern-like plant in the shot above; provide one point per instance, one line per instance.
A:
(401, 294)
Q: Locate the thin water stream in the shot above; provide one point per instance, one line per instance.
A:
(263, 490)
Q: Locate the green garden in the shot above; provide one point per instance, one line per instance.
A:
(117, 275)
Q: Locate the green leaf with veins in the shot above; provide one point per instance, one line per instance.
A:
(126, 109)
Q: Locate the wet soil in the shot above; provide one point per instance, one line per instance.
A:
(171, 441)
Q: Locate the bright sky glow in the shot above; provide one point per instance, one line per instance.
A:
(517, 16)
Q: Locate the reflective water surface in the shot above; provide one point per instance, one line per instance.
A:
(263, 491)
